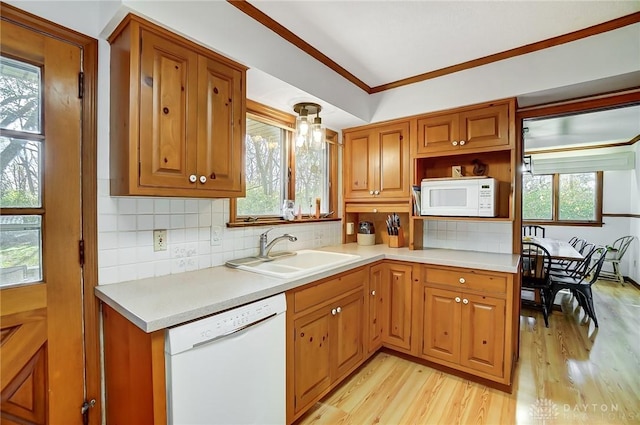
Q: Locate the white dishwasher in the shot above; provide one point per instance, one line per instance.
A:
(229, 368)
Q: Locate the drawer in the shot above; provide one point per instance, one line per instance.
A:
(462, 279)
(319, 293)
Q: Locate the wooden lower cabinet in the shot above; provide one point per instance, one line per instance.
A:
(396, 294)
(468, 322)
(375, 307)
(134, 372)
(325, 337)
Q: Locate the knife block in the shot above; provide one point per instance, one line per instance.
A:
(396, 241)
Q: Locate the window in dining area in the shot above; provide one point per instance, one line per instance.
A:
(572, 198)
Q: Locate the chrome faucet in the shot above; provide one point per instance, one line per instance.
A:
(265, 247)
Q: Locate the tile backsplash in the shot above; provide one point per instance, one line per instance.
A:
(125, 236)
(486, 236)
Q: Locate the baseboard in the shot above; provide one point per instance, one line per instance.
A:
(631, 281)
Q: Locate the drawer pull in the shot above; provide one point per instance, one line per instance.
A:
(461, 280)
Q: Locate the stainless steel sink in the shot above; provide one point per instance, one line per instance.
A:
(293, 264)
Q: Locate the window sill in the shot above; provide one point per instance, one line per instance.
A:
(564, 223)
(278, 222)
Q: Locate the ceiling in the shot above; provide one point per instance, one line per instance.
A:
(380, 42)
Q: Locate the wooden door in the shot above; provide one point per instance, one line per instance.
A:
(359, 165)
(220, 128)
(375, 318)
(312, 356)
(346, 339)
(482, 333)
(393, 179)
(168, 102)
(397, 310)
(485, 127)
(441, 325)
(437, 133)
(41, 337)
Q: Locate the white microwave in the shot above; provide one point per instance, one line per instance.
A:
(462, 197)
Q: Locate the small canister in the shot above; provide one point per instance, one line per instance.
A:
(366, 233)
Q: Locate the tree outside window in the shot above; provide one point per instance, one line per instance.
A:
(562, 198)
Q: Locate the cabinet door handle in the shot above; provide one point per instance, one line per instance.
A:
(339, 309)
(203, 179)
(461, 280)
(333, 312)
(193, 178)
(376, 192)
(371, 192)
(454, 143)
(373, 293)
(457, 299)
(462, 142)
(375, 210)
(465, 301)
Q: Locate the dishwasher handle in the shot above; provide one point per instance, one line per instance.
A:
(231, 332)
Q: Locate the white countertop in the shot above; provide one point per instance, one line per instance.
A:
(161, 302)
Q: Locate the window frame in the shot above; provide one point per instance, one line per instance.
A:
(555, 211)
(287, 122)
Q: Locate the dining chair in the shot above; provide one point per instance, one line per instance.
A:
(614, 256)
(534, 266)
(532, 230)
(574, 268)
(580, 287)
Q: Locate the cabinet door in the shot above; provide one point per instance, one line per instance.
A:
(441, 325)
(392, 174)
(397, 309)
(346, 340)
(359, 165)
(484, 127)
(376, 307)
(312, 356)
(168, 101)
(437, 133)
(220, 122)
(482, 338)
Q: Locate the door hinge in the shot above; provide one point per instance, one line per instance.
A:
(81, 251)
(84, 410)
(80, 85)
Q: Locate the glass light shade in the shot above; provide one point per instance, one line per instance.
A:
(317, 132)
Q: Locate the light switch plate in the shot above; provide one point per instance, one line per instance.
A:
(159, 240)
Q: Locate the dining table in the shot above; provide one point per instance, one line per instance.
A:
(558, 249)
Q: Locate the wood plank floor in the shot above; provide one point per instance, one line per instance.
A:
(569, 373)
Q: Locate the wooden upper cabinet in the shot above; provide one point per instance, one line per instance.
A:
(376, 163)
(219, 161)
(477, 129)
(177, 116)
(168, 92)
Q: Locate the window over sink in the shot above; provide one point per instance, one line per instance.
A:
(277, 169)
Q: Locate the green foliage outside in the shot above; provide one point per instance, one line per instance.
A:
(577, 196)
(537, 197)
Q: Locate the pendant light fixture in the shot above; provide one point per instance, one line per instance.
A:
(309, 133)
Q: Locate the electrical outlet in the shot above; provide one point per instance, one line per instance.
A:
(159, 240)
(216, 235)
